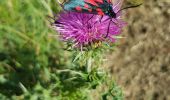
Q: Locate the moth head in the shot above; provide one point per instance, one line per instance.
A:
(110, 12)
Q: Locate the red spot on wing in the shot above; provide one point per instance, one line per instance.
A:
(98, 9)
(78, 8)
(100, 1)
(86, 6)
(100, 12)
(90, 10)
(91, 2)
(109, 1)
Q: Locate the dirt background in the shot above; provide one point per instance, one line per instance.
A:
(141, 62)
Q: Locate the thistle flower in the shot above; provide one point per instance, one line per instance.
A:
(82, 29)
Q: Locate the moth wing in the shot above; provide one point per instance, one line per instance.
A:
(79, 5)
(117, 4)
(71, 4)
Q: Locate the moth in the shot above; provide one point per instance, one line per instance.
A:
(96, 7)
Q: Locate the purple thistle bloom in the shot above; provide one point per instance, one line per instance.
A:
(82, 29)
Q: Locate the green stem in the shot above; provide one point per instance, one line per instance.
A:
(89, 65)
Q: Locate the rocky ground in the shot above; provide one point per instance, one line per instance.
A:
(141, 62)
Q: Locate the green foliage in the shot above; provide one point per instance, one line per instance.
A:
(33, 65)
(114, 92)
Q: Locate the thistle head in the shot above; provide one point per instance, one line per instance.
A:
(82, 29)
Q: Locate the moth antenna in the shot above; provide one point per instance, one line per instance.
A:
(129, 7)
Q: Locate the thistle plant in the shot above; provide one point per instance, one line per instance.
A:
(89, 37)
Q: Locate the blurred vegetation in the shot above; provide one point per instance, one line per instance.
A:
(33, 65)
(135, 2)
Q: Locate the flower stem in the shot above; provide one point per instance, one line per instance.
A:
(89, 65)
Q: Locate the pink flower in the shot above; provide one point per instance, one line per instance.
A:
(81, 29)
